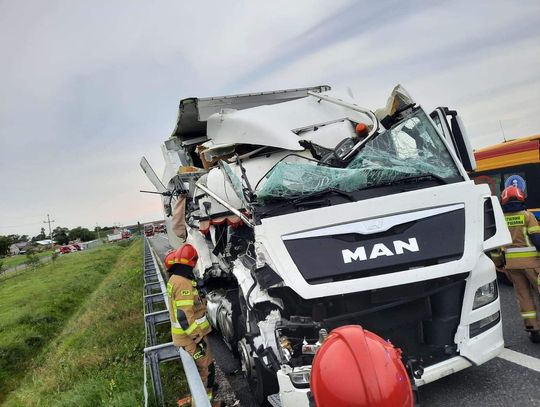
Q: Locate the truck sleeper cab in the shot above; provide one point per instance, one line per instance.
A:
(302, 225)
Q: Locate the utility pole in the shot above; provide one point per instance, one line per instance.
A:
(97, 230)
(49, 221)
(502, 130)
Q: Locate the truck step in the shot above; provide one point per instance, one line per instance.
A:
(274, 400)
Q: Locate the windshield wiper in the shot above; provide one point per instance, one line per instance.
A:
(427, 176)
(416, 178)
(300, 199)
(324, 192)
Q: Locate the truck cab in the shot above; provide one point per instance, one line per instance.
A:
(310, 212)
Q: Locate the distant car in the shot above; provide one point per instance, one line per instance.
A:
(68, 249)
(159, 228)
(126, 234)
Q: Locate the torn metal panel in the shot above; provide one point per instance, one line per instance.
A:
(245, 282)
(329, 135)
(220, 185)
(273, 125)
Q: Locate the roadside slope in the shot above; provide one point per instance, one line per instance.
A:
(36, 304)
(96, 359)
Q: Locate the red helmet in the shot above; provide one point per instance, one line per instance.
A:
(357, 368)
(169, 259)
(186, 254)
(512, 193)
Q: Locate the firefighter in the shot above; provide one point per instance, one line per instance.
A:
(189, 326)
(357, 368)
(522, 257)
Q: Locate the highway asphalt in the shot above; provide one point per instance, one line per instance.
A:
(497, 383)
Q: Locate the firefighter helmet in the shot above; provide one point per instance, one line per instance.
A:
(357, 368)
(186, 254)
(512, 193)
(169, 259)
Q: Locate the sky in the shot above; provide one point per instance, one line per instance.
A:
(89, 87)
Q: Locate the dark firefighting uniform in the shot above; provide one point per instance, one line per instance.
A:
(523, 263)
(189, 326)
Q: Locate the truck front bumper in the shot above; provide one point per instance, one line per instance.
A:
(474, 352)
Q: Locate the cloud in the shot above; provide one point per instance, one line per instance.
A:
(86, 88)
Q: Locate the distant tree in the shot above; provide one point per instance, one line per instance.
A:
(13, 239)
(4, 245)
(60, 235)
(2, 267)
(41, 236)
(83, 234)
(23, 238)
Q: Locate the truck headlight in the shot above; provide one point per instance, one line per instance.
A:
(485, 294)
(300, 379)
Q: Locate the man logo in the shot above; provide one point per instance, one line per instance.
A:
(380, 249)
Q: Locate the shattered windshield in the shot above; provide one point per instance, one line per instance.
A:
(410, 148)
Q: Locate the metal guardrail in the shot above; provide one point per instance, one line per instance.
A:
(155, 293)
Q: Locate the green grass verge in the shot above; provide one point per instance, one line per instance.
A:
(14, 261)
(72, 333)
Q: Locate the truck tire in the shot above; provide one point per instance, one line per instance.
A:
(262, 383)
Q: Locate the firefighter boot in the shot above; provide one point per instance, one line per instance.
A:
(534, 336)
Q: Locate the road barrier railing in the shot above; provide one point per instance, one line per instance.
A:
(155, 295)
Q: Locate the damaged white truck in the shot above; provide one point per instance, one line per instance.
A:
(309, 212)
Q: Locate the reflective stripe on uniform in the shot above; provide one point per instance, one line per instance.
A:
(521, 255)
(183, 303)
(520, 252)
(176, 329)
(528, 315)
(201, 320)
(534, 229)
(521, 249)
(180, 331)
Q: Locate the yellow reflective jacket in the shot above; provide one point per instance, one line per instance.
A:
(521, 254)
(187, 311)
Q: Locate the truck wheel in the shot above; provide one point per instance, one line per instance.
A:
(262, 383)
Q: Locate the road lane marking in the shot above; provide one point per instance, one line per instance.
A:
(520, 359)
